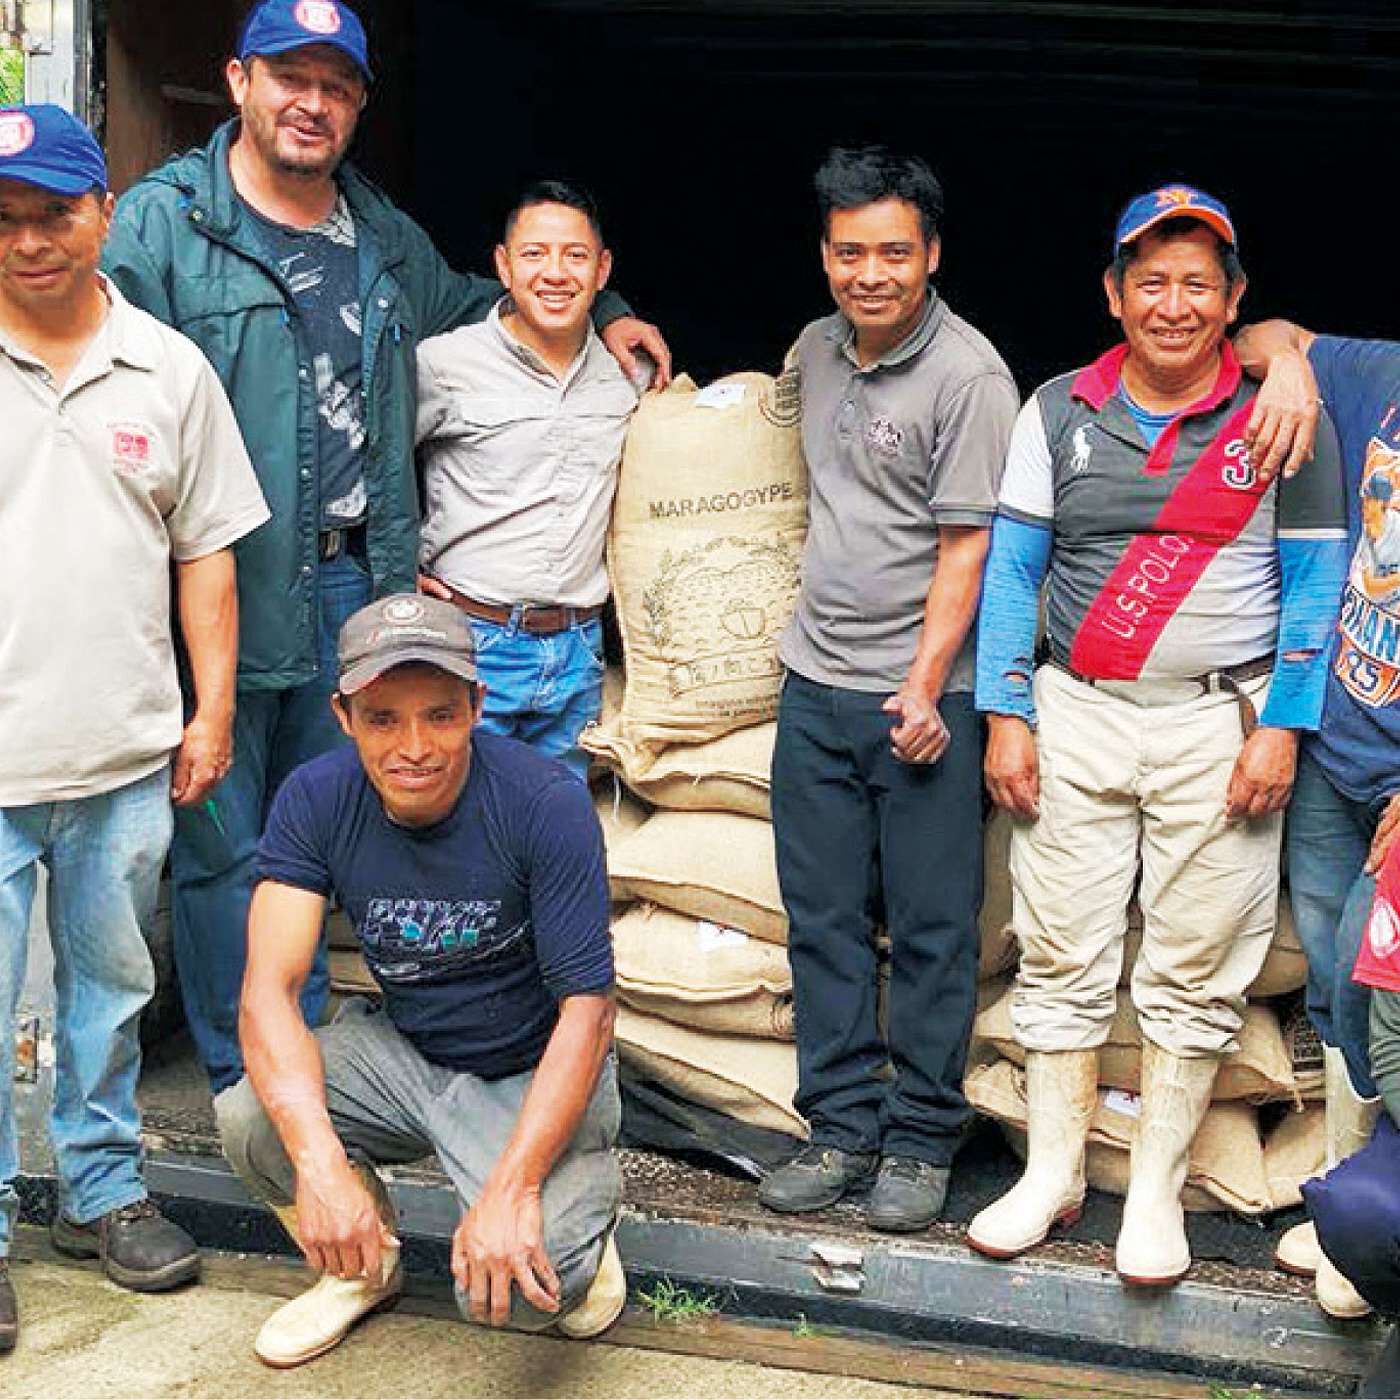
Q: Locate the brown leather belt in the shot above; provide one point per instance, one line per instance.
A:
(539, 621)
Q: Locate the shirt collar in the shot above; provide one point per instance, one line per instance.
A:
(843, 334)
(1095, 384)
(526, 355)
(123, 335)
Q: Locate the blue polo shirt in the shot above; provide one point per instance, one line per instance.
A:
(476, 927)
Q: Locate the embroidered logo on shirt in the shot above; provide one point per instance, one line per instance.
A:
(1383, 930)
(884, 436)
(318, 16)
(131, 448)
(16, 133)
(1083, 449)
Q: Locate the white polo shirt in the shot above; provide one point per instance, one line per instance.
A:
(520, 467)
(136, 461)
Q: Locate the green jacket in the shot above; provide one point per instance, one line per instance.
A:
(182, 248)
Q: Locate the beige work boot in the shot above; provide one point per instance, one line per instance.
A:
(1061, 1091)
(603, 1303)
(1349, 1121)
(318, 1319)
(1152, 1249)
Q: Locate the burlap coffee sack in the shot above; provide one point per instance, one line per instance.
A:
(698, 974)
(349, 974)
(1227, 1156)
(711, 865)
(751, 1080)
(728, 774)
(1285, 967)
(703, 554)
(1259, 1071)
(619, 814)
(1295, 1150)
(998, 949)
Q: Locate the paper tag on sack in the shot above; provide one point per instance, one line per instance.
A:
(1123, 1101)
(713, 936)
(720, 396)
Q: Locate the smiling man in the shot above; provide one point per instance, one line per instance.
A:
(521, 421)
(906, 413)
(1189, 607)
(308, 291)
(472, 868)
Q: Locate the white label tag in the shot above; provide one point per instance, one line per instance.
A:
(1122, 1101)
(720, 396)
(711, 936)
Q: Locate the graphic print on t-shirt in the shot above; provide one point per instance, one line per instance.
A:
(1368, 656)
(427, 940)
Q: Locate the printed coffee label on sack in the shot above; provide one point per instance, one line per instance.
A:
(689, 507)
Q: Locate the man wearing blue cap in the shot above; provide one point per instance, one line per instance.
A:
(309, 292)
(1189, 604)
(120, 456)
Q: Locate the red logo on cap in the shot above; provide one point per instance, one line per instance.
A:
(318, 16)
(16, 133)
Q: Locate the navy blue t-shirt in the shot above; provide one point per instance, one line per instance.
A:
(474, 928)
(1359, 743)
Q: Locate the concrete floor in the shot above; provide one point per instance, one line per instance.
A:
(81, 1336)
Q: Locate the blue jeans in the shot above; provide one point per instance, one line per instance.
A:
(1328, 838)
(211, 861)
(859, 835)
(541, 690)
(103, 856)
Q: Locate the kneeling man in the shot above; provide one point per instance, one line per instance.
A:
(1190, 607)
(472, 868)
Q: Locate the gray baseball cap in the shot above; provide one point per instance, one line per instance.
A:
(400, 628)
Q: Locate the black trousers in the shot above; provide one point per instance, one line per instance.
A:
(859, 834)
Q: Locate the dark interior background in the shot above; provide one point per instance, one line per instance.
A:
(698, 126)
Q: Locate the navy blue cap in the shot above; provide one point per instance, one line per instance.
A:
(1172, 202)
(278, 26)
(45, 145)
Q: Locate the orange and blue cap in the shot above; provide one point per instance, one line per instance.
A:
(279, 26)
(46, 145)
(1172, 202)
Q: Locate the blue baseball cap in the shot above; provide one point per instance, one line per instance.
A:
(1172, 202)
(44, 145)
(278, 26)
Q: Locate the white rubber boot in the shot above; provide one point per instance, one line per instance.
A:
(1152, 1248)
(603, 1303)
(319, 1319)
(1061, 1091)
(1350, 1119)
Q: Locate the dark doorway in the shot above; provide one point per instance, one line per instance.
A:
(698, 125)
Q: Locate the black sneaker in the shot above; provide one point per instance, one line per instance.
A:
(138, 1246)
(1383, 1379)
(908, 1195)
(9, 1309)
(818, 1176)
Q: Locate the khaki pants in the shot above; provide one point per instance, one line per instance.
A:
(1136, 772)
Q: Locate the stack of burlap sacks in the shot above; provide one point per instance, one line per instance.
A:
(703, 556)
(1263, 1133)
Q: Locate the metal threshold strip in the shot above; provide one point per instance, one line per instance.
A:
(924, 1292)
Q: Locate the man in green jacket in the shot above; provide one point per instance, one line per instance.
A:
(308, 291)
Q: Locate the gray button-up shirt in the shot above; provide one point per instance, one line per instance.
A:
(520, 467)
(896, 449)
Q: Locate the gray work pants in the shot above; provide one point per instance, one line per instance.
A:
(390, 1105)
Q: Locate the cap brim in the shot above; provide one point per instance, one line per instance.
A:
(290, 45)
(56, 182)
(1212, 219)
(360, 675)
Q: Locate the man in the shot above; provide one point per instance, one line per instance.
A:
(472, 868)
(1189, 605)
(906, 413)
(1357, 1204)
(521, 420)
(308, 291)
(119, 458)
(1346, 802)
